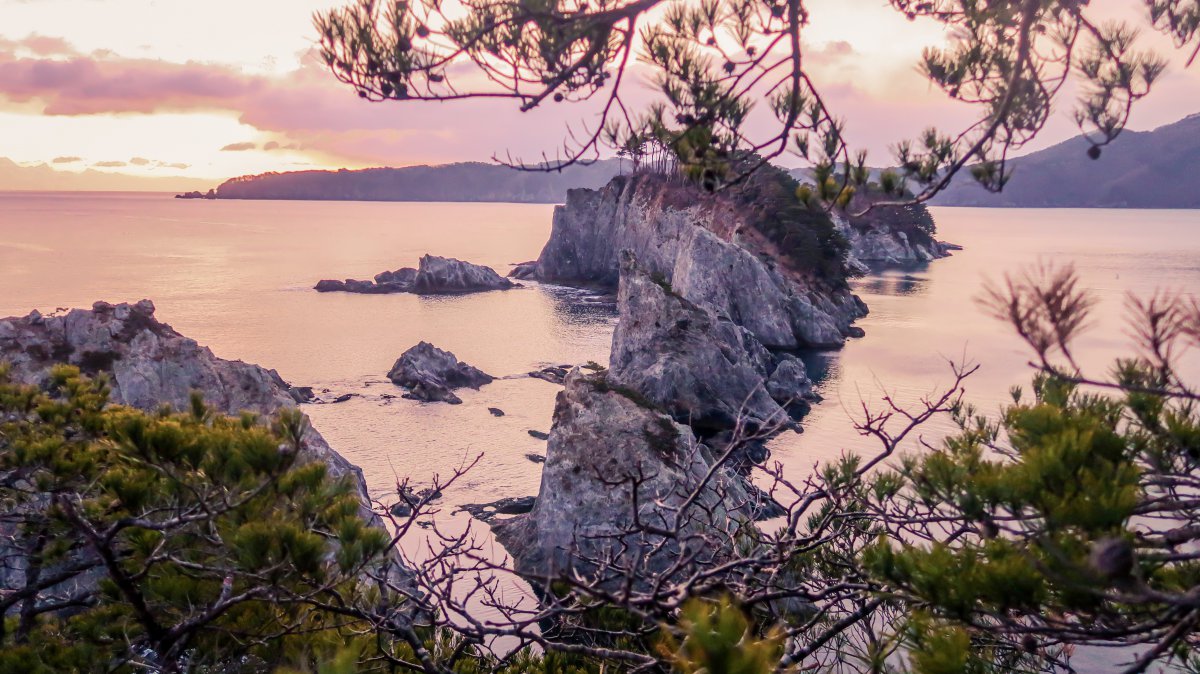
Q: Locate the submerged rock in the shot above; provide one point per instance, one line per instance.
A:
(431, 374)
(554, 375)
(513, 505)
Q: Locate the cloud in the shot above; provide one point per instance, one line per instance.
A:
(139, 161)
(239, 147)
(66, 160)
(177, 165)
(110, 164)
(38, 45)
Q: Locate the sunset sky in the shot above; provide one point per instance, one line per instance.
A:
(201, 91)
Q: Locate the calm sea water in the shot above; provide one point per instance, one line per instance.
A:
(237, 276)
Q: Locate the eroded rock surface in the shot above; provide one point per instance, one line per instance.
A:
(434, 275)
(705, 370)
(706, 248)
(150, 364)
(603, 442)
(431, 374)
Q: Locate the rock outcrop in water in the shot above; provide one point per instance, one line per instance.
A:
(705, 370)
(431, 374)
(150, 364)
(605, 439)
(434, 276)
(716, 251)
(890, 235)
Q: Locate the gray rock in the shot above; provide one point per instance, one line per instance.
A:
(888, 238)
(431, 374)
(539, 435)
(699, 248)
(602, 438)
(789, 382)
(513, 505)
(435, 275)
(496, 411)
(554, 375)
(447, 275)
(706, 371)
(150, 364)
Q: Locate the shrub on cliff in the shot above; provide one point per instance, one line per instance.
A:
(169, 541)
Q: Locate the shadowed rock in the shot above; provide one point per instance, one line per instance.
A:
(431, 374)
(705, 370)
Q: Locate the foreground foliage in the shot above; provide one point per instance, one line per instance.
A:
(1060, 534)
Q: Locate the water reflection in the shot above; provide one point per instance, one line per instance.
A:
(894, 280)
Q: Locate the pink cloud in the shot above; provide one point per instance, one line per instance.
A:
(307, 110)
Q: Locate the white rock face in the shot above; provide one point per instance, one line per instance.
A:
(695, 247)
(149, 364)
(448, 275)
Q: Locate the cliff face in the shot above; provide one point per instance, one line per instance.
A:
(606, 445)
(710, 249)
(149, 364)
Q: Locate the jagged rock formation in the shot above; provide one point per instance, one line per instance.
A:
(434, 275)
(448, 275)
(603, 437)
(724, 252)
(430, 374)
(704, 369)
(150, 364)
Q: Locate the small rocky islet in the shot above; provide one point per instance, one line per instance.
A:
(434, 275)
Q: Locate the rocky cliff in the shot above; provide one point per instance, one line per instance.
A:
(607, 446)
(704, 369)
(150, 364)
(781, 279)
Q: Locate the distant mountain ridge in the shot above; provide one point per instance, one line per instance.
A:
(466, 181)
(1140, 169)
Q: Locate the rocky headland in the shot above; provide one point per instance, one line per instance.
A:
(752, 255)
(431, 374)
(149, 364)
(434, 275)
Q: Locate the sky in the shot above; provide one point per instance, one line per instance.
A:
(179, 94)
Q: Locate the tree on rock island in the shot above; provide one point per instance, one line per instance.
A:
(717, 63)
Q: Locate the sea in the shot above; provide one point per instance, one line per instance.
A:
(237, 276)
